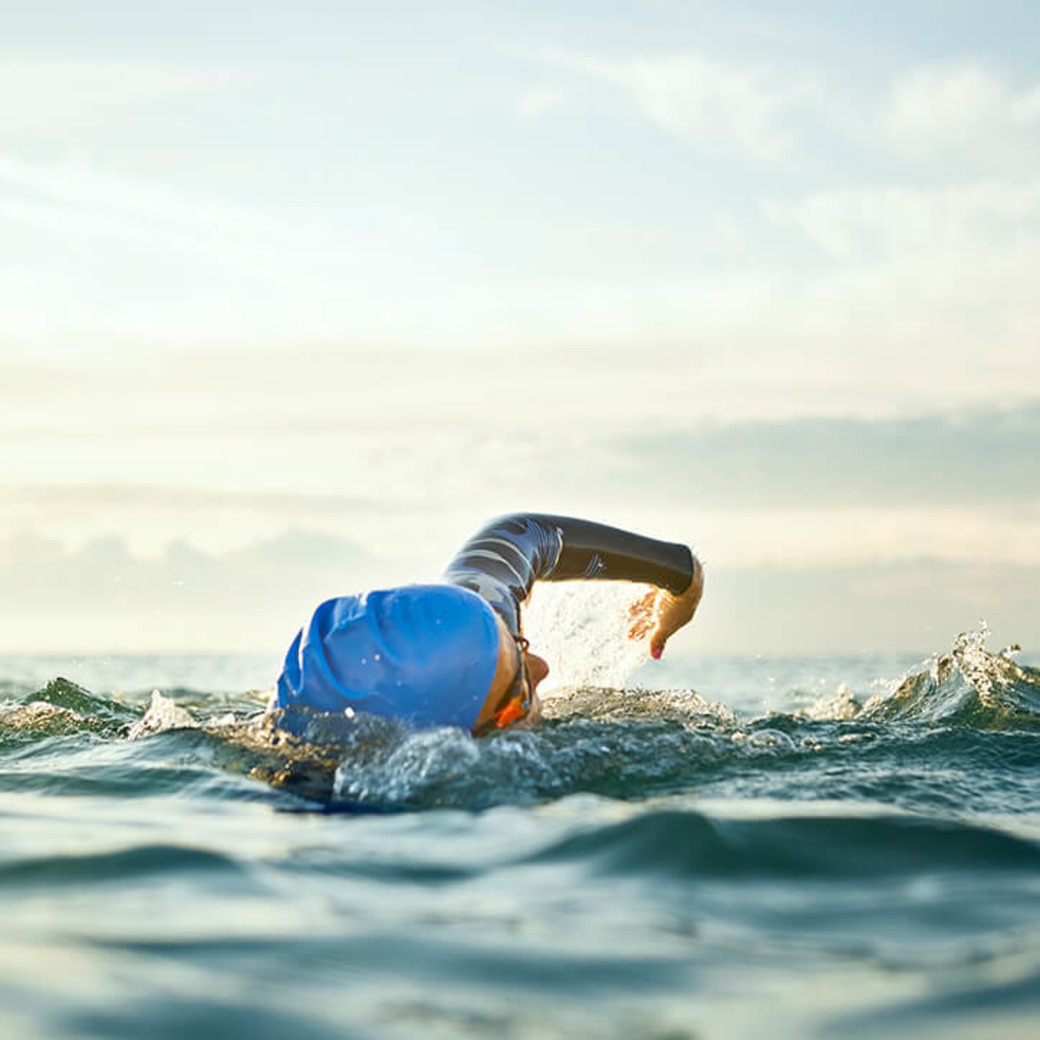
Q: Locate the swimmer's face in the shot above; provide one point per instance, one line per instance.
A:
(536, 669)
(516, 680)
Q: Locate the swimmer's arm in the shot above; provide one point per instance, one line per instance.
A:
(596, 551)
(504, 560)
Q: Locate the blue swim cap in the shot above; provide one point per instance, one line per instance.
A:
(422, 653)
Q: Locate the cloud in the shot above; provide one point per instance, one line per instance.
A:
(804, 492)
(82, 94)
(103, 597)
(946, 104)
(990, 458)
(176, 266)
(912, 606)
(699, 100)
(217, 520)
(123, 496)
(897, 222)
(768, 112)
(78, 200)
(1026, 107)
(151, 515)
(537, 101)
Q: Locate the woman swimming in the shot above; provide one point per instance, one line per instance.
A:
(454, 653)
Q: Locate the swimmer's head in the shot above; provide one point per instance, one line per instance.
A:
(425, 654)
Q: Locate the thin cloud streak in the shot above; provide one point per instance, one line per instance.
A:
(77, 200)
(938, 460)
(766, 113)
(895, 222)
(698, 99)
(71, 496)
(948, 103)
(81, 93)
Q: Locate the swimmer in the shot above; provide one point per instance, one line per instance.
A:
(453, 653)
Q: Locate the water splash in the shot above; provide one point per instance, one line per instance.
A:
(163, 714)
(840, 706)
(967, 685)
(581, 628)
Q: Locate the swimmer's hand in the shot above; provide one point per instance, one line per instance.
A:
(661, 613)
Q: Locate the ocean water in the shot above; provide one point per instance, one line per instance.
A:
(782, 847)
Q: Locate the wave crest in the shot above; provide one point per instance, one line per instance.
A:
(968, 686)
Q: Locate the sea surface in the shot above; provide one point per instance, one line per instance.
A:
(716, 847)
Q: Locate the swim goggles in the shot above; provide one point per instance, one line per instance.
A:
(517, 700)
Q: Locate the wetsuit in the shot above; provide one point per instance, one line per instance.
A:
(502, 561)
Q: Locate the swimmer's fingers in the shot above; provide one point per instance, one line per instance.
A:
(674, 611)
(642, 615)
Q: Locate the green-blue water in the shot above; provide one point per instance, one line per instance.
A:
(833, 847)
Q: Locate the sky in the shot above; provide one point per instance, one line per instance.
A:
(294, 297)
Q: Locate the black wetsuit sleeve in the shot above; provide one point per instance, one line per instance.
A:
(503, 560)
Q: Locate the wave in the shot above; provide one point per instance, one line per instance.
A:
(968, 686)
(61, 708)
(963, 724)
(118, 865)
(681, 843)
